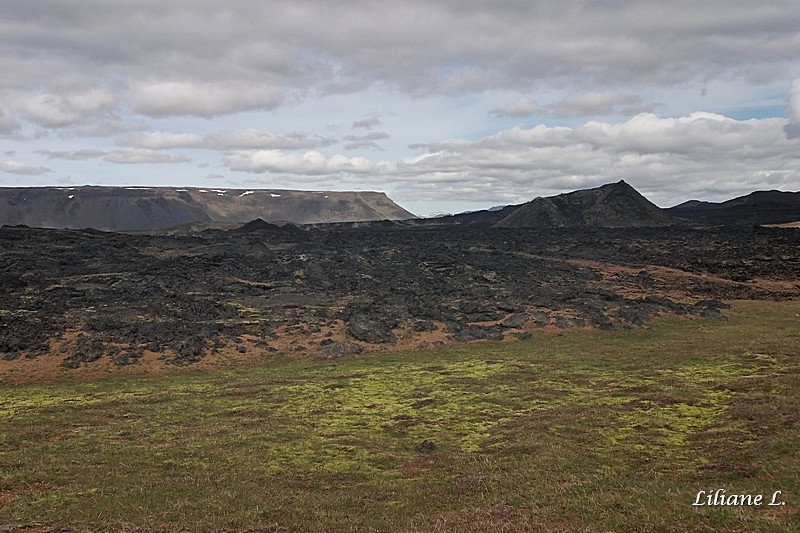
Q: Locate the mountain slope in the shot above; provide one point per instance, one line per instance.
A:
(152, 208)
(486, 217)
(760, 207)
(611, 205)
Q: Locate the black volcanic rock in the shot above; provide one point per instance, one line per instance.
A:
(260, 225)
(184, 298)
(486, 217)
(615, 205)
(756, 208)
(157, 208)
(370, 329)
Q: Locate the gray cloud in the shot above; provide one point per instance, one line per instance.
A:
(599, 103)
(72, 155)
(225, 140)
(587, 104)
(367, 123)
(793, 128)
(524, 107)
(8, 122)
(367, 141)
(107, 127)
(251, 138)
(206, 58)
(130, 70)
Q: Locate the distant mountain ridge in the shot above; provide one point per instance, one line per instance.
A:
(756, 208)
(620, 205)
(155, 208)
(611, 205)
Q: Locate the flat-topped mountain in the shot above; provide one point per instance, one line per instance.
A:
(759, 207)
(612, 205)
(154, 208)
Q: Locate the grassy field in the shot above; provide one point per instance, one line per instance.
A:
(579, 431)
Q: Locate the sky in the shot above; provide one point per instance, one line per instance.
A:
(444, 105)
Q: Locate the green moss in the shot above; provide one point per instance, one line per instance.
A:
(577, 431)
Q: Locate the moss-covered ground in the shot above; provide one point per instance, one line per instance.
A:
(578, 431)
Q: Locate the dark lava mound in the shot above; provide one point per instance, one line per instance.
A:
(615, 205)
(260, 225)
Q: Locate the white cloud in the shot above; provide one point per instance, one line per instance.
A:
(691, 136)
(16, 167)
(133, 156)
(524, 107)
(670, 159)
(706, 154)
(202, 99)
(701, 155)
(309, 163)
(160, 140)
(57, 111)
(252, 138)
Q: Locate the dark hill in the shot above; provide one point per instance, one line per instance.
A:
(260, 225)
(486, 217)
(156, 208)
(756, 208)
(613, 205)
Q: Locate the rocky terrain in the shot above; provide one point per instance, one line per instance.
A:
(74, 301)
(89, 301)
(157, 208)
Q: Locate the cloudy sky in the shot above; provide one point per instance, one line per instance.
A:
(444, 105)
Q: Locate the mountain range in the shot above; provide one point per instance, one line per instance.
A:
(194, 209)
(760, 207)
(620, 205)
(156, 208)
